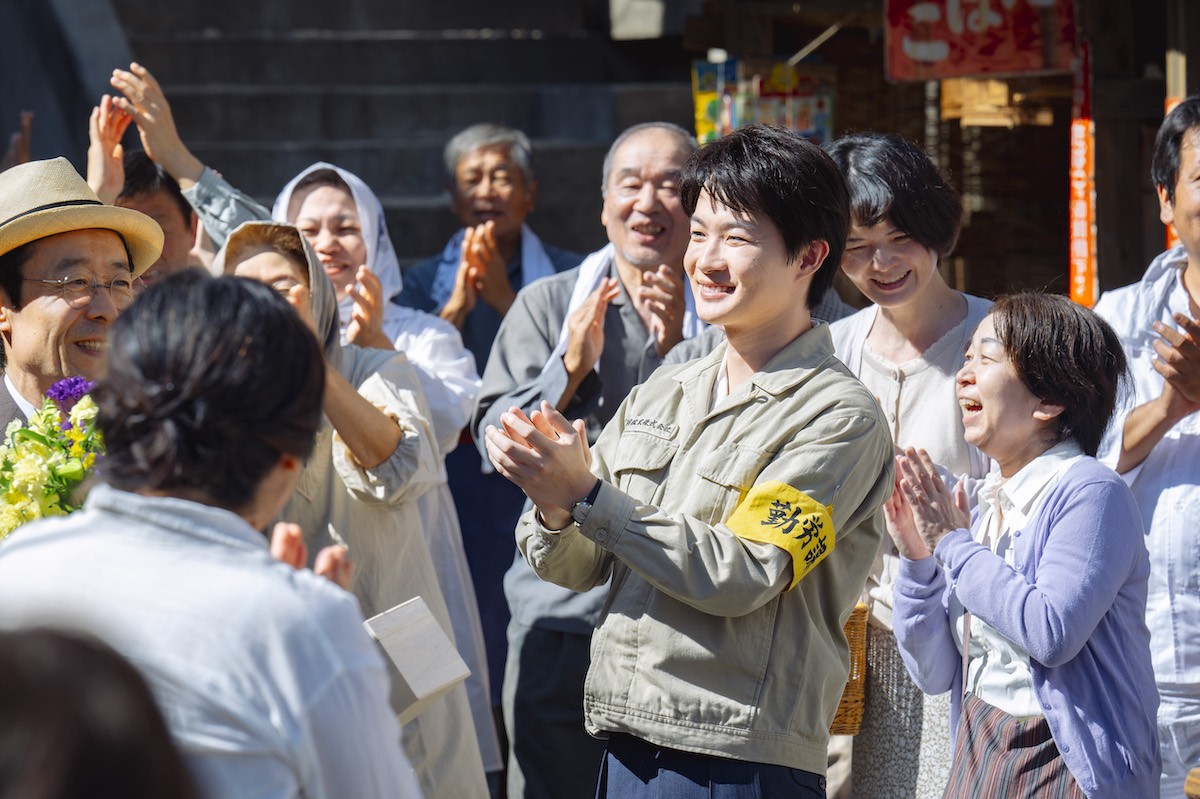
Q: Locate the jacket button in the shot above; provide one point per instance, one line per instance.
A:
(1017, 534)
(601, 534)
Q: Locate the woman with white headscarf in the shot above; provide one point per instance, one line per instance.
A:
(373, 460)
(343, 221)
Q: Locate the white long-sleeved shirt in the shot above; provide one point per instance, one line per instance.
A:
(267, 680)
(1167, 483)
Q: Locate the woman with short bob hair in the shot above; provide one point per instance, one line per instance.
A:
(1032, 610)
(905, 347)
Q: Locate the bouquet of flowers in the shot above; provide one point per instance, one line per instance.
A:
(43, 462)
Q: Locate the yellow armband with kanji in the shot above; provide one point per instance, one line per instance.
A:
(775, 513)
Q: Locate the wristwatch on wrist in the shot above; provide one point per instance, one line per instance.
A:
(581, 509)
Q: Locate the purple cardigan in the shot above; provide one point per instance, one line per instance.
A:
(1076, 602)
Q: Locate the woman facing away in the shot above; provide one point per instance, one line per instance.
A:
(906, 348)
(1031, 610)
(374, 457)
(270, 686)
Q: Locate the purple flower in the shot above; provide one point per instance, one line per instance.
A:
(68, 391)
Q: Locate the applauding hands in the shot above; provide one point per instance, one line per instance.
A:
(922, 509)
(482, 274)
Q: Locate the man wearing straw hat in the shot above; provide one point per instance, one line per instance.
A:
(67, 267)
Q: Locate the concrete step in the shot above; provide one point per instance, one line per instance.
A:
(393, 57)
(396, 167)
(588, 112)
(143, 16)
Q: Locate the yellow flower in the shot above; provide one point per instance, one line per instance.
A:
(30, 474)
(10, 518)
(84, 412)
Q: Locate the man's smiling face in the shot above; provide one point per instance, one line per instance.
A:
(45, 337)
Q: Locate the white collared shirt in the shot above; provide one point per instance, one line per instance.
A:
(999, 671)
(269, 684)
(25, 405)
(1167, 483)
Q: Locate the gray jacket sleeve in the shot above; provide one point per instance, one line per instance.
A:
(517, 372)
(221, 207)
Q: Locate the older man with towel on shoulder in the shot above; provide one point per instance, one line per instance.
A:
(581, 340)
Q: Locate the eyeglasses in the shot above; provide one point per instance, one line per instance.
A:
(78, 291)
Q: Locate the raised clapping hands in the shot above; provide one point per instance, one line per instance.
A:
(106, 155)
(366, 318)
(585, 329)
(662, 293)
(333, 562)
(1178, 362)
(546, 456)
(19, 142)
(482, 274)
(922, 510)
(488, 272)
(143, 100)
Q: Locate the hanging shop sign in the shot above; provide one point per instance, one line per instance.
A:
(741, 92)
(1084, 277)
(933, 39)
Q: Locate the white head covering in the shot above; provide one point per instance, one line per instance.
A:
(381, 255)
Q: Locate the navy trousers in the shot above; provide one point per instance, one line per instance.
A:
(636, 769)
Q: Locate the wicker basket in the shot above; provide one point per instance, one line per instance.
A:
(848, 719)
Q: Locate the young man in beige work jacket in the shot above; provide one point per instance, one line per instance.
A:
(735, 500)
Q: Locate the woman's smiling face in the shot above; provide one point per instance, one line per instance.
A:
(1001, 416)
(888, 266)
(328, 218)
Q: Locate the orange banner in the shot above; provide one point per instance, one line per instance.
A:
(1084, 279)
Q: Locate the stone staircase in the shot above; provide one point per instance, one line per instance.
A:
(262, 88)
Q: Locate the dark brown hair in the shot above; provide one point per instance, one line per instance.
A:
(76, 719)
(1065, 354)
(210, 381)
(760, 169)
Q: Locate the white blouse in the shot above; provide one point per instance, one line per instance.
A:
(920, 403)
(999, 672)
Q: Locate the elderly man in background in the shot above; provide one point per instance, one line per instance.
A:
(472, 284)
(67, 269)
(580, 341)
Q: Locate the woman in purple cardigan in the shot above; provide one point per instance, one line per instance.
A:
(1053, 692)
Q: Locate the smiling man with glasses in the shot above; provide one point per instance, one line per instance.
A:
(68, 265)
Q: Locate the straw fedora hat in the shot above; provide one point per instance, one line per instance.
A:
(45, 198)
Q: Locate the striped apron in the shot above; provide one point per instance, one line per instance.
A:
(998, 755)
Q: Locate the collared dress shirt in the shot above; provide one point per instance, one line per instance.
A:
(1075, 598)
(999, 672)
